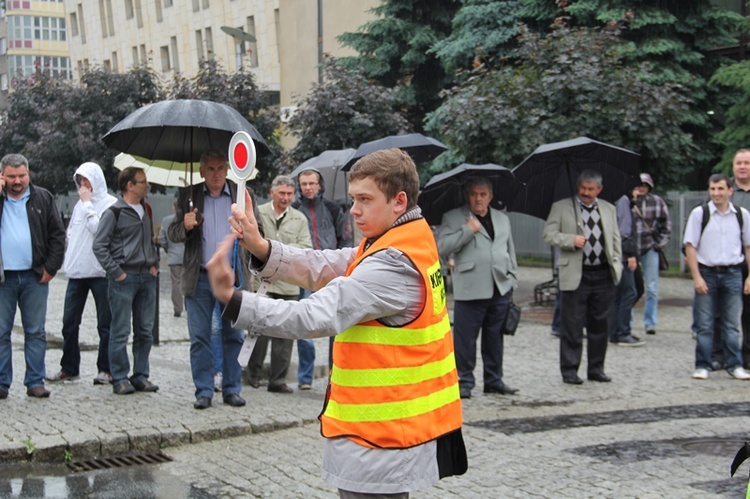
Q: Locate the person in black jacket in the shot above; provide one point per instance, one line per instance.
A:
(32, 245)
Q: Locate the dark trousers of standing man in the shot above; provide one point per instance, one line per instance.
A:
(589, 304)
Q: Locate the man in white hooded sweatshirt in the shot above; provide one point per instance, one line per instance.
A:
(85, 274)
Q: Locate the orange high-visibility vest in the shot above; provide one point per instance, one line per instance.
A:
(397, 387)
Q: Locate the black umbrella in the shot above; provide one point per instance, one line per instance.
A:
(551, 171)
(328, 164)
(420, 147)
(445, 191)
(180, 130)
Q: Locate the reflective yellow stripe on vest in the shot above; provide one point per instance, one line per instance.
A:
(379, 335)
(393, 376)
(362, 413)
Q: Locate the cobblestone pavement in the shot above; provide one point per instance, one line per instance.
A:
(652, 432)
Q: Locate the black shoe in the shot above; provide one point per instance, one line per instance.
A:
(254, 382)
(501, 389)
(202, 403)
(123, 388)
(234, 400)
(145, 386)
(465, 393)
(651, 331)
(282, 388)
(573, 379)
(600, 377)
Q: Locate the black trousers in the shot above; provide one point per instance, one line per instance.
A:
(590, 305)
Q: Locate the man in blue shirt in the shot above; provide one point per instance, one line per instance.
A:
(32, 245)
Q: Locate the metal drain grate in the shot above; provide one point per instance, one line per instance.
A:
(105, 463)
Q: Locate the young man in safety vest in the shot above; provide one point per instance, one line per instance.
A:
(392, 418)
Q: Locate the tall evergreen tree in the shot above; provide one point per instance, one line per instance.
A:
(395, 50)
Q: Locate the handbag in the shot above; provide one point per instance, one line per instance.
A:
(512, 317)
(663, 262)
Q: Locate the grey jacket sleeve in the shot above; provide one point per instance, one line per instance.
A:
(453, 234)
(107, 226)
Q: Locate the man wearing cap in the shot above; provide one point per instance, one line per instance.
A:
(653, 228)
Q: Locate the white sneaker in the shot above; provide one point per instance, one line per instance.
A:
(702, 373)
(103, 379)
(218, 381)
(740, 373)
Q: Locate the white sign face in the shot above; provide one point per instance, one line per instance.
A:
(242, 155)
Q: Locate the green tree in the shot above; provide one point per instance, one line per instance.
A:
(736, 134)
(395, 49)
(343, 111)
(239, 91)
(58, 125)
(483, 32)
(677, 39)
(566, 84)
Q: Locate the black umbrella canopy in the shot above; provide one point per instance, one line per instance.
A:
(180, 130)
(445, 191)
(420, 147)
(551, 171)
(328, 164)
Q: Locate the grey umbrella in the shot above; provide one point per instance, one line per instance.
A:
(329, 164)
(180, 130)
(420, 147)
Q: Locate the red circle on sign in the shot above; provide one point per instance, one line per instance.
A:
(240, 155)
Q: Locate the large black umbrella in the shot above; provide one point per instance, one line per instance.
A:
(550, 173)
(329, 164)
(420, 147)
(180, 130)
(445, 191)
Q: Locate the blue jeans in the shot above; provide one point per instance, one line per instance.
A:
(217, 342)
(136, 295)
(650, 264)
(622, 306)
(469, 316)
(75, 300)
(306, 353)
(200, 310)
(22, 289)
(725, 299)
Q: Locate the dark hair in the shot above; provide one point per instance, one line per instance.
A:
(718, 177)
(125, 176)
(393, 171)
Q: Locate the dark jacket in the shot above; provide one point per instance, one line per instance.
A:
(47, 232)
(124, 242)
(193, 239)
(330, 229)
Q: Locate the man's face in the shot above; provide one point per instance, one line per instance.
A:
(719, 192)
(309, 184)
(214, 171)
(588, 191)
(372, 213)
(83, 181)
(741, 166)
(282, 196)
(140, 185)
(16, 179)
(479, 197)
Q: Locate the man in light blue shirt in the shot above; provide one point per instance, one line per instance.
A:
(32, 245)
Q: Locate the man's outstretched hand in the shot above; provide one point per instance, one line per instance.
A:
(244, 227)
(220, 273)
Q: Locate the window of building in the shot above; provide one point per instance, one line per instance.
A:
(103, 18)
(3, 46)
(110, 18)
(107, 65)
(165, 63)
(167, 3)
(159, 16)
(209, 43)
(205, 4)
(115, 63)
(135, 56)
(82, 25)
(144, 55)
(199, 44)
(277, 25)
(25, 65)
(138, 13)
(129, 13)
(73, 24)
(175, 53)
(252, 47)
(239, 53)
(196, 5)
